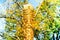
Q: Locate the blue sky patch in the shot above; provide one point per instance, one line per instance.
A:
(2, 1)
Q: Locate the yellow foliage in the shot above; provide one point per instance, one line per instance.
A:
(53, 1)
(8, 19)
(19, 31)
(17, 10)
(52, 14)
(11, 20)
(14, 5)
(35, 25)
(10, 11)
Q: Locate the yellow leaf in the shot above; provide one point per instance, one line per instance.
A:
(14, 5)
(52, 1)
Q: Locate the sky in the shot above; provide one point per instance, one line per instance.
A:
(2, 1)
(2, 11)
(34, 2)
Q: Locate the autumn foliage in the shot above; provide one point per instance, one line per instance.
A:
(23, 22)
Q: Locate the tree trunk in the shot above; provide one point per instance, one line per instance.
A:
(27, 27)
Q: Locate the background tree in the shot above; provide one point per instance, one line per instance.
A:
(46, 16)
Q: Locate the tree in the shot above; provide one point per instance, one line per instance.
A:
(23, 22)
(46, 16)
